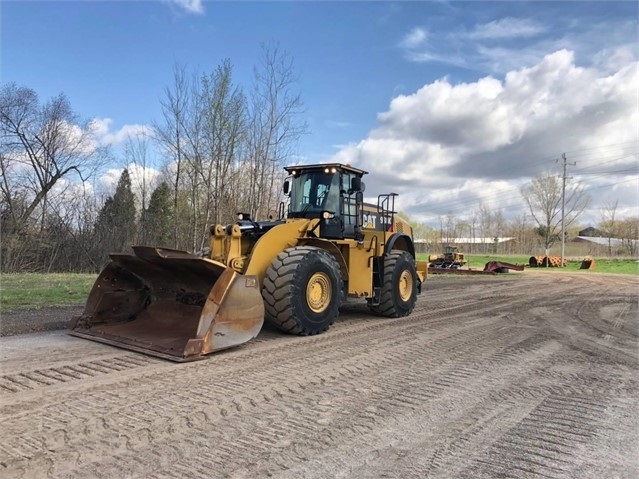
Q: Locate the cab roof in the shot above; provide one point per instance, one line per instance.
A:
(323, 166)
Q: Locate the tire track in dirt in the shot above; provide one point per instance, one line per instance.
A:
(234, 386)
(620, 307)
(230, 380)
(37, 378)
(81, 370)
(304, 421)
(543, 443)
(485, 383)
(73, 410)
(415, 400)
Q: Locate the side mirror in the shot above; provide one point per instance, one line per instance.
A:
(356, 184)
(285, 187)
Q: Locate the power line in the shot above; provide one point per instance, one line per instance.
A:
(575, 153)
(614, 160)
(612, 184)
(512, 196)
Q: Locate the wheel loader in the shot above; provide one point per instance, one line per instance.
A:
(294, 272)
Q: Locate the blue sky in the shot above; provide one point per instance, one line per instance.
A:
(448, 103)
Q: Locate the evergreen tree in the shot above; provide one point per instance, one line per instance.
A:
(157, 219)
(115, 226)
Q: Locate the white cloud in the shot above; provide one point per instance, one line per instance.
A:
(415, 38)
(613, 59)
(504, 44)
(447, 147)
(337, 124)
(101, 130)
(507, 28)
(189, 6)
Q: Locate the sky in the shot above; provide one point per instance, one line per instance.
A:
(451, 105)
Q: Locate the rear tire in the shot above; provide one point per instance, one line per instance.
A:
(399, 289)
(302, 290)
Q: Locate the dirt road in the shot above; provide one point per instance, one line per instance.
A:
(522, 375)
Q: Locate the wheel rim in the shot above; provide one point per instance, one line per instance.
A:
(405, 285)
(318, 292)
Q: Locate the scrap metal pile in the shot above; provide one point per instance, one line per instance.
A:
(546, 261)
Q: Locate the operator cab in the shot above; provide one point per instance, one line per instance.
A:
(331, 192)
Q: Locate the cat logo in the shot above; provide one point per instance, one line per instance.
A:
(370, 220)
(374, 221)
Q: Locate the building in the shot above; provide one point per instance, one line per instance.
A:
(469, 245)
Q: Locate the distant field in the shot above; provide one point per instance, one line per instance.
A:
(37, 290)
(618, 266)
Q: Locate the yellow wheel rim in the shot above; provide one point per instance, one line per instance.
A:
(318, 292)
(405, 285)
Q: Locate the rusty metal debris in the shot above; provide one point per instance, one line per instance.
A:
(546, 261)
(502, 267)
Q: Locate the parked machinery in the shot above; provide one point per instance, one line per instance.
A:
(294, 271)
(451, 258)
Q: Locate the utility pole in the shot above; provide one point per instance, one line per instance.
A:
(563, 207)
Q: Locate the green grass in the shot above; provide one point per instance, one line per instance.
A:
(37, 290)
(603, 265)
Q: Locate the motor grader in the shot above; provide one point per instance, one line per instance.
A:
(295, 272)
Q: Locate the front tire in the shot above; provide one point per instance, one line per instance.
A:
(302, 290)
(399, 289)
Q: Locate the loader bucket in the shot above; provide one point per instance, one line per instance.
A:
(171, 304)
(587, 263)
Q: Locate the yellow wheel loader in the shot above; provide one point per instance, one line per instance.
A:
(295, 272)
(451, 258)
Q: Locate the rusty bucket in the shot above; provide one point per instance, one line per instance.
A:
(587, 263)
(171, 304)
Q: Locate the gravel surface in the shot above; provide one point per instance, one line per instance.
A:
(24, 321)
(525, 375)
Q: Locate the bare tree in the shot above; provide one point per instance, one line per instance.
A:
(629, 233)
(463, 228)
(485, 217)
(274, 127)
(136, 154)
(222, 108)
(543, 197)
(499, 226)
(473, 230)
(43, 149)
(40, 146)
(522, 230)
(609, 222)
(172, 134)
(451, 227)
(426, 238)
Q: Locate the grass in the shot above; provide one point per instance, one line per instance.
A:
(37, 290)
(602, 265)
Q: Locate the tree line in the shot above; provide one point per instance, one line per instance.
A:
(223, 149)
(550, 210)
